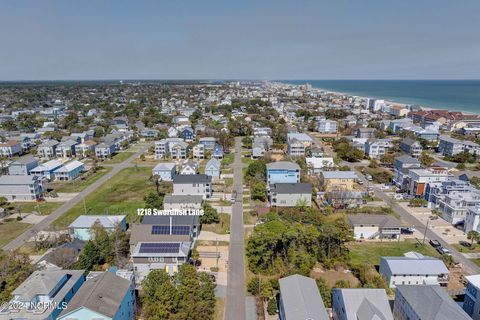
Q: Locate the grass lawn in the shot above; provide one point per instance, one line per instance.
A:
(249, 219)
(10, 230)
(228, 159)
(79, 184)
(44, 208)
(119, 157)
(461, 248)
(122, 194)
(476, 261)
(370, 252)
(247, 161)
(219, 308)
(220, 228)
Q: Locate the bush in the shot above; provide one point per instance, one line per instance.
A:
(417, 202)
(19, 218)
(272, 307)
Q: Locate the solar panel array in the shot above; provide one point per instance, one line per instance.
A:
(159, 247)
(176, 230)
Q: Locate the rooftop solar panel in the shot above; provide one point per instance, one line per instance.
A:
(159, 247)
(176, 230)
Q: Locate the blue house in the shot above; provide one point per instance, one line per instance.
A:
(53, 288)
(283, 172)
(46, 169)
(208, 142)
(69, 171)
(217, 152)
(212, 168)
(165, 171)
(187, 133)
(106, 296)
(82, 226)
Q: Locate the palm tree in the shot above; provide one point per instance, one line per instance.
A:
(473, 236)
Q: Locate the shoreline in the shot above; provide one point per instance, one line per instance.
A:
(387, 101)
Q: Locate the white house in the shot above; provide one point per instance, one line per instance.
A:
(46, 169)
(69, 171)
(374, 226)
(414, 268)
(192, 184)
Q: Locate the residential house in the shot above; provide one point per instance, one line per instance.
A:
(302, 137)
(149, 133)
(300, 299)
(262, 131)
(401, 170)
(165, 171)
(212, 168)
(375, 148)
(296, 148)
(194, 184)
(318, 164)
(413, 268)
(69, 171)
(182, 202)
(360, 304)
(165, 255)
(218, 152)
(261, 145)
(10, 148)
(172, 132)
(187, 133)
(338, 180)
(20, 188)
(172, 225)
(106, 296)
(449, 146)
(411, 147)
(46, 169)
(471, 303)
(22, 165)
(374, 226)
(368, 133)
(290, 194)
(66, 149)
(426, 302)
(105, 150)
(199, 151)
(47, 149)
(208, 142)
(327, 126)
(454, 206)
(85, 148)
(472, 219)
(44, 294)
(418, 179)
(179, 150)
(83, 136)
(81, 228)
(189, 167)
(282, 172)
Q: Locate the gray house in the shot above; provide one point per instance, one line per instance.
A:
(426, 302)
(192, 184)
(20, 188)
(360, 304)
(411, 147)
(47, 149)
(290, 194)
(22, 165)
(300, 299)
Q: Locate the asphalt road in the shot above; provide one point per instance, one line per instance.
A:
(45, 223)
(468, 266)
(235, 304)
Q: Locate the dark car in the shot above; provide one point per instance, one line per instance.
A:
(465, 244)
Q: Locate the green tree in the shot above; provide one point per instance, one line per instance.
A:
(153, 200)
(426, 159)
(473, 236)
(259, 191)
(210, 215)
(325, 292)
(89, 256)
(160, 299)
(15, 267)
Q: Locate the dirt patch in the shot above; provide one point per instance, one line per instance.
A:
(334, 275)
(457, 279)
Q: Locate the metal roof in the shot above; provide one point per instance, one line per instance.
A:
(301, 299)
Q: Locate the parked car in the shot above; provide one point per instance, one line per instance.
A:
(465, 244)
(444, 251)
(407, 230)
(368, 177)
(435, 243)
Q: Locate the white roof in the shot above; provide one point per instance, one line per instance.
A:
(165, 166)
(72, 165)
(474, 280)
(48, 166)
(415, 265)
(106, 221)
(320, 162)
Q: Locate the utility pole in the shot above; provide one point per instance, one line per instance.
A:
(84, 206)
(425, 232)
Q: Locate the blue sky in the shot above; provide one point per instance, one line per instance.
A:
(318, 39)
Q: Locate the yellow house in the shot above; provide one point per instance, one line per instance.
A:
(338, 180)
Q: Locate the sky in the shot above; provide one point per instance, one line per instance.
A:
(262, 39)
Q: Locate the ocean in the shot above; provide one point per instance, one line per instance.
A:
(453, 95)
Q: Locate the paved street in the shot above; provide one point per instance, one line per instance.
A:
(45, 223)
(235, 304)
(468, 266)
